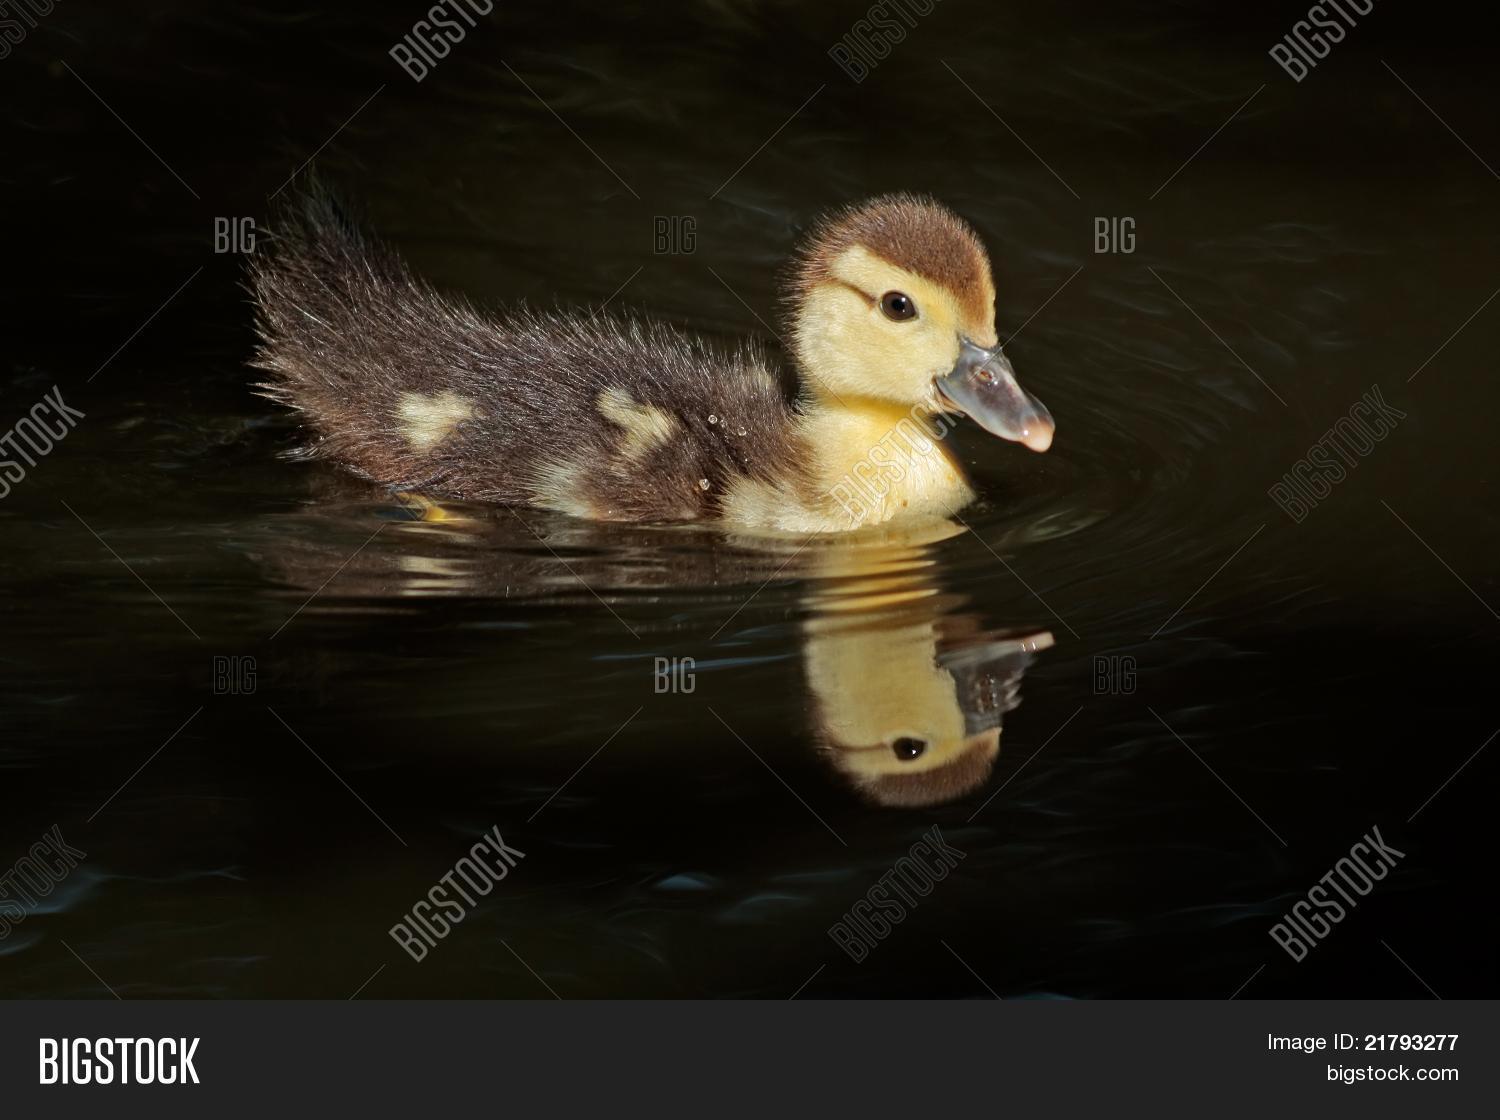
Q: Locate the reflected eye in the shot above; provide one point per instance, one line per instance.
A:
(898, 306)
(907, 749)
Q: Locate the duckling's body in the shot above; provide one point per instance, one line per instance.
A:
(610, 418)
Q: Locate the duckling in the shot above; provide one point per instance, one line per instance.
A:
(626, 419)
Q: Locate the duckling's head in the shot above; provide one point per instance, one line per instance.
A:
(893, 303)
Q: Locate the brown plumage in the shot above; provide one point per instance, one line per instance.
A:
(912, 232)
(350, 338)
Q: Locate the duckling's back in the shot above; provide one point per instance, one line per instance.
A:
(597, 416)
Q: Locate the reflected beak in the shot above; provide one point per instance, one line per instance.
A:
(987, 675)
(982, 385)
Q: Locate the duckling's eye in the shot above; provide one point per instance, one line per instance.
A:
(898, 306)
(907, 749)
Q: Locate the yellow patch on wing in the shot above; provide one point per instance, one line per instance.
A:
(560, 486)
(646, 426)
(427, 419)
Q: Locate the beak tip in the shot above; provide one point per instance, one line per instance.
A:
(1038, 438)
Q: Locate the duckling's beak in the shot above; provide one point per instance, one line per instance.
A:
(988, 676)
(982, 385)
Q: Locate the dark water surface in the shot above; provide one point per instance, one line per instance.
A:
(1231, 699)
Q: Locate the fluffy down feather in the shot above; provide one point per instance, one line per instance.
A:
(608, 417)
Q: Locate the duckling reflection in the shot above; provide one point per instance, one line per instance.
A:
(908, 693)
(907, 688)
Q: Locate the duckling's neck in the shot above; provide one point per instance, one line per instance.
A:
(874, 461)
